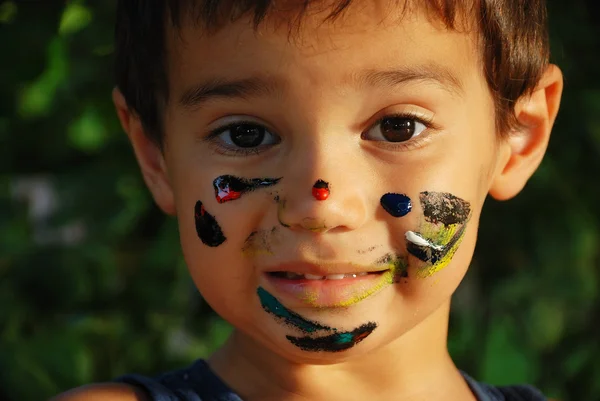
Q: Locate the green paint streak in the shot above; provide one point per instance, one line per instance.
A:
(273, 306)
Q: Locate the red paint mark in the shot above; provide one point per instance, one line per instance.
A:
(320, 193)
(202, 211)
(320, 190)
(227, 194)
(361, 336)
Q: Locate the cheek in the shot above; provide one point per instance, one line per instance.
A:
(215, 226)
(438, 236)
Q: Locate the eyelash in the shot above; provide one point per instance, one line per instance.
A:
(413, 143)
(226, 150)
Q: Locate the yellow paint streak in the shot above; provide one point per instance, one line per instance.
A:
(439, 235)
(387, 278)
(442, 263)
(310, 298)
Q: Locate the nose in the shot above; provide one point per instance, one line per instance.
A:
(321, 195)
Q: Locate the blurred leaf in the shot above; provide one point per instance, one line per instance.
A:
(37, 97)
(506, 363)
(75, 17)
(547, 323)
(8, 12)
(88, 132)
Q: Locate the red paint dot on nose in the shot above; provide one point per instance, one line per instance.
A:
(320, 193)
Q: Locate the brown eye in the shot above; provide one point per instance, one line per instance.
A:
(245, 135)
(395, 129)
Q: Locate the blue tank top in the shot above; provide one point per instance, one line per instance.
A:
(199, 383)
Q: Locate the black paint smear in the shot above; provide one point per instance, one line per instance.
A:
(445, 208)
(234, 187)
(249, 243)
(428, 254)
(260, 240)
(399, 262)
(320, 184)
(280, 207)
(370, 249)
(207, 227)
(334, 342)
(424, 253)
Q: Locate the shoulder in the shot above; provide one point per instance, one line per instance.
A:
(102, 392)
(193, 383)
(486, 392)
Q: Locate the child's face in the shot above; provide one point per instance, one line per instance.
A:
(397, 107)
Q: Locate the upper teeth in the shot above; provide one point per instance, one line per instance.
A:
(296, 276)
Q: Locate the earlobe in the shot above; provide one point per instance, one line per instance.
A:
(523, 150)
(148, 154)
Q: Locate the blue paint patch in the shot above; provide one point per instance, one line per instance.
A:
(397, 205)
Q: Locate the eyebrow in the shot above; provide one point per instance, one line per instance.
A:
(260, 86)
(429, 73)
(214, 89)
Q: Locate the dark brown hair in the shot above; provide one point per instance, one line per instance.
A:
(513, 36)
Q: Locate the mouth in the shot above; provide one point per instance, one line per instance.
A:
(328, 290)
(285, 275)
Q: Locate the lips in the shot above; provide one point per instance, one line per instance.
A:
(327, 286)
(308, 276)
(313, 271)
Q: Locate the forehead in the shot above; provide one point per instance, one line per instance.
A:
(370, 36)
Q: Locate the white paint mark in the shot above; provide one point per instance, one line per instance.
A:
(420, 241)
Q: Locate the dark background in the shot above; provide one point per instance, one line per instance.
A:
(92, 284)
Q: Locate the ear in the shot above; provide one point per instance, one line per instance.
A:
(521, 153)
(148, 154)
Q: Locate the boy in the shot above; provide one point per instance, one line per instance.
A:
(327, 162)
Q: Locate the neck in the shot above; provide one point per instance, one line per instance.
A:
(403, 369)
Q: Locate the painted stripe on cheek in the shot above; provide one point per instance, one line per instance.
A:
(229, 187)
(207, 228)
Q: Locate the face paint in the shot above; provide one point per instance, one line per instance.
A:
(435, 254)
(259, 242)
(440, 235)
(445, 208)
(280, 208)
(334, 342)
(398, 266)
(207, 227)
(274, 307)
(369, 249)
(229, 187)
(397, 205)
(314, 225)
(320, 190)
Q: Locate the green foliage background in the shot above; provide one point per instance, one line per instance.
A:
(96, 287)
